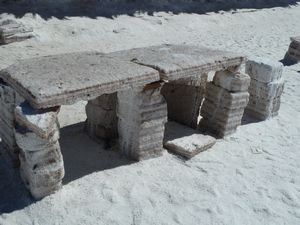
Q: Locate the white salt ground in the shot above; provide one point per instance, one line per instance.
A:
(251, 177)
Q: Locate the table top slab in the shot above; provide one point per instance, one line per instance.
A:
(65, 79)
(180, 61)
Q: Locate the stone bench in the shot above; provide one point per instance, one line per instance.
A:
(130, 94)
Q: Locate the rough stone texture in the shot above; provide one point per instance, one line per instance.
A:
(184, 98)
(185, 141)
(102, 121)
(223, 98)
(294, 49)
(264, 70)
(37, 134)
(142, 114)
(234, 82)
(13, 31)
(267, 91)
(8, 101)
(222, 110)
(64, 79)
(180, 61)
(264, 96)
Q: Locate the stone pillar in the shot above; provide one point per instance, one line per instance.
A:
(265, 88)
(184, 98)
(37, 134)
(225, 100)
(102, 121)
(9, 99)
(142, 113)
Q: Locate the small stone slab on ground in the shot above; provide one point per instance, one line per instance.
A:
(185, 141)
(65, 79)
(180, 61)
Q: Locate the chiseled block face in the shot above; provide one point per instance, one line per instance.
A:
(142, 115)
(267, 108)
(223, 98)
(219, 128)
(264, 70)
(266, 91)
(232, 81)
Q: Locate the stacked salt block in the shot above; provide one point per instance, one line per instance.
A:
(102, 121)
(41, 162)
(184, 97)
(225, 100)
(8, 101)
(265, 88)
(142, 114)
(12, 31)
(294, 49)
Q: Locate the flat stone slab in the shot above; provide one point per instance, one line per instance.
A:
(185, 141)
(179, 61)
(65, 79)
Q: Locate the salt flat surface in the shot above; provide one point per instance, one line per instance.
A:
(251, 177)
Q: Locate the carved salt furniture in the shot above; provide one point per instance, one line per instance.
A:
(294, 49)
(123, 90)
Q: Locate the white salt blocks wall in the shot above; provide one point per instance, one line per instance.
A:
(142, 115)
(41, 161)
(9, 99)
(225, 100)
(265, 88)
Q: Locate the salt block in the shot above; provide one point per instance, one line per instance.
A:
(42, 122)
(210, 111)
(294, 49)
(218, 128)
(264, 107)
(260, 115)
(13, 31)
(106, 101)
(185, 141)
(232, 81)
(267, 91)
(142, 115)
(223, 98)
(30, 141)
(264, 70)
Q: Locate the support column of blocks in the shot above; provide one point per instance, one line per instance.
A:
(225, 100)
(41, 161)
(265, 88)
(184, 98)
(9, 99)
(142, 114)
(102, 121)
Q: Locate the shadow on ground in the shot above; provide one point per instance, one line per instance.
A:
(109, 9)
(82, 156)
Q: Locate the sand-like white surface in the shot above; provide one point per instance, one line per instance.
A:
(251, 177)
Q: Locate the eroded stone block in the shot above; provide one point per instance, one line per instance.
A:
(266, 91)
(41, 162)
(264, 70)
(223, 98)
(232, 81)
(142, 114)
(184, 98)
(102, 121)
(185, 141)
